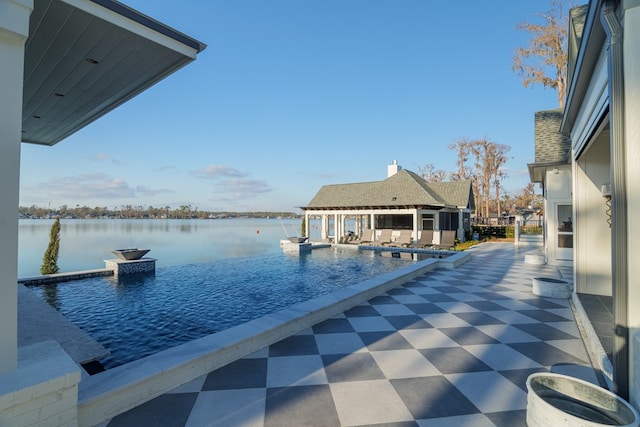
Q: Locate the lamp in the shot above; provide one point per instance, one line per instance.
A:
(605, 190)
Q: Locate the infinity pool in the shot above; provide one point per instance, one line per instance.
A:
(137, 315)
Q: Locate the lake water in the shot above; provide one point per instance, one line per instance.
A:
(85, 244)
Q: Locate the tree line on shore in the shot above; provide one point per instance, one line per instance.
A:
(142, 212)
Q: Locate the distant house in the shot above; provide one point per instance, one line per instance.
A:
(402, 201)
(593, 196)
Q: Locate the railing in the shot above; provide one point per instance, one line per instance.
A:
(531, 229)
(528, 234)
(505, 221)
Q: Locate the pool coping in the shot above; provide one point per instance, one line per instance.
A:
(109, 393)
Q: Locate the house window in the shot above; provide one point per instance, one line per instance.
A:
(427, 221)
(396, 222)
(565, 226)
(449, 220)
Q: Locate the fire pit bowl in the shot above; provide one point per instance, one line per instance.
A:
(297, 239)
(130, 254)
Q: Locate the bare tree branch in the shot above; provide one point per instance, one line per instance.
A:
(544, 61)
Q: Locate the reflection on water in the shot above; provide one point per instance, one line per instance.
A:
(50, 293)
(85, 244)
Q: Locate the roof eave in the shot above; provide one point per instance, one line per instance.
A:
(127, 12)
(84, 58)
(537, 170)
(593, 37)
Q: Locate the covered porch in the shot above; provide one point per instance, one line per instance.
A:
(339, 226)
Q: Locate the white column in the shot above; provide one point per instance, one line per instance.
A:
(461, 225)
(323, 227)
(415, 225)
(631, 57)
(14, 30)
(306, 226)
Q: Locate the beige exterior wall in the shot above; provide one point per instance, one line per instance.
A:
(593, 235)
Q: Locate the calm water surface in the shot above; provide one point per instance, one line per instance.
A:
(85, 244)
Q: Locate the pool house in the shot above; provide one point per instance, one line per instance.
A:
(403, 201)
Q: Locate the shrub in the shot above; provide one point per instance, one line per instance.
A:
(510, 231)
(50, 258)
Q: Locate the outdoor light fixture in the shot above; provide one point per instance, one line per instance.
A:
(605, 190)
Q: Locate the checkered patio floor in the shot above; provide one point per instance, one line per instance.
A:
(451, 348)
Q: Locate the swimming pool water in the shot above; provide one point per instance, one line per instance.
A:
(137, 315)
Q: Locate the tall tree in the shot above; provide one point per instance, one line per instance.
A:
(463, 149)
(499, 153)
(544, 61)
(485, 173)
(50, 258)
(430, 174)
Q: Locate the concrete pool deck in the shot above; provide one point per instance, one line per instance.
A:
(39, 322)
(448, 347)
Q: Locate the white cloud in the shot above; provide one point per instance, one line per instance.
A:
(219, 171)
(87, 186)
(234, 191)
(101, 157)
(147, 191)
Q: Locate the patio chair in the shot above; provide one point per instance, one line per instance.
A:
(365, 239)
(403, 240)
(447, 240)
(385, 237)
(425, 241)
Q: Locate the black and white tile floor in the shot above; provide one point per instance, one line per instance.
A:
(451, 348)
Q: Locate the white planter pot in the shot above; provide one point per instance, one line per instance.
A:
(559, 400)
(552, 288)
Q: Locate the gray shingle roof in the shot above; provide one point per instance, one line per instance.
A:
(402, 189)
(551, 145)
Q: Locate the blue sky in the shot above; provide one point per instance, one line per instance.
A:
(291, 95)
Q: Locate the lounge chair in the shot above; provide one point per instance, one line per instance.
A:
(385, 237)
(426, 240)
(365, 239)
(403, 240)
(447, 240)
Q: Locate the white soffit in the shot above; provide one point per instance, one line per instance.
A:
(84, 58)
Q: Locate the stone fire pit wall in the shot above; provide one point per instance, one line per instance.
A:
(119, 267)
